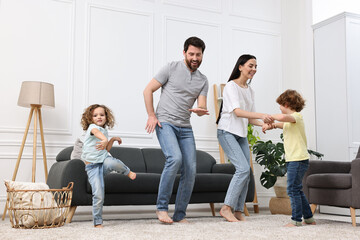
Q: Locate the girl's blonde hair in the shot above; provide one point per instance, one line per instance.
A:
(87, 116)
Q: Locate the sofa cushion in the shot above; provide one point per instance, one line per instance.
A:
(131, 157)
(329, 180)
(119, 183)
(204, 162)
(212, 182)
(154, 159)
(64, 154)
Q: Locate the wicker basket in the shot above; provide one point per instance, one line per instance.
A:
(38, 208)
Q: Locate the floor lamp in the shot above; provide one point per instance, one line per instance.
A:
(34, 95)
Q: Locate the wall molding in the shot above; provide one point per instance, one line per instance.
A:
(195, 6)
(150, 15)
(255, 17)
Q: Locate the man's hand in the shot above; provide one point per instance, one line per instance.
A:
(200, 111)
(151, 124)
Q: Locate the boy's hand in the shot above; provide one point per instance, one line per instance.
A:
(101, 145)
(265, 127)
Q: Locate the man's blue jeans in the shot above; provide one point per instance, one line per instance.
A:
(237, 150)
(96, 173)
(299, 204)
(178, 146)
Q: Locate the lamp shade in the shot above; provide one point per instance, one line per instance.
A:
(37, 93)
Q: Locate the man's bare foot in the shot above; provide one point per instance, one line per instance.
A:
(99, 226)
(132, 175)
(289, 225)
(226, 213)
(239, 216)
(164, 217)
(183, 221)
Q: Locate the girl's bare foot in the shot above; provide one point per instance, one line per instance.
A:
(132, 175)
(239, 216)
(98, 226)
(226, 213)
(164, 217)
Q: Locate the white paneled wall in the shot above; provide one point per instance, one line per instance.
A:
(106, 51)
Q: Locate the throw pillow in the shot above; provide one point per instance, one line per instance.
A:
(27, 203)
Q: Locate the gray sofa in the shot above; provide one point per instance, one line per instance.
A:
(211, 182)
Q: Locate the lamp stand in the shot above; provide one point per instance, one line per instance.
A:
(35, 110)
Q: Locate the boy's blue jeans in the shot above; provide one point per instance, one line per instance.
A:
(237, 150)
(299, 204)
(96, 173)
(178, 146)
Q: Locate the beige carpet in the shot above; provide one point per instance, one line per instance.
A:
(257, 226)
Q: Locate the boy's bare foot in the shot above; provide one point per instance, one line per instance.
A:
(239, 216)
(289, 225)
(132, 175)
(313, 223)
(226, 213)
(99, 226)
(164, 217)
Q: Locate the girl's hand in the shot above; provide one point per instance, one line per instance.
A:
(118, 140)
(101, 145)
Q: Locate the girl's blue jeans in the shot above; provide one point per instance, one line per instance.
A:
(96, 173)
(237, 150)
(299, 204)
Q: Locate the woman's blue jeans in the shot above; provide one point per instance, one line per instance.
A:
(96, 173)
(237, 150)
(299, 204)
(178, 146)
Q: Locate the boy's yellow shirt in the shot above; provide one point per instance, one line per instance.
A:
(295, 143)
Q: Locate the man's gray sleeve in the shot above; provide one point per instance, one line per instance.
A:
(163, 75)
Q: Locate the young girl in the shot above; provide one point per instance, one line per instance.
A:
(237, 110)
(296, 154)
(95, 152)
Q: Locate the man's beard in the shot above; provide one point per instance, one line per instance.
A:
(193, 68)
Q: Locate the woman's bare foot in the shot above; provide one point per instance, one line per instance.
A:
(239, 216)
(164, 217)
(132, 175)
(99, 226)
(226, 213)
(289, 225)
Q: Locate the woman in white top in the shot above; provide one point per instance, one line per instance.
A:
(237, 110)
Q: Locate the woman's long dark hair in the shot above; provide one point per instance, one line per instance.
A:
(236, 74)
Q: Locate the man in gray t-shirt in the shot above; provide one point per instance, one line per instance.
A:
(181, 85)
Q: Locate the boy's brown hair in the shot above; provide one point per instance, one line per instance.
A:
(291, 99)
(87, 116)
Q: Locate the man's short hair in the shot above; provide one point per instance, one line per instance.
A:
(196, 42)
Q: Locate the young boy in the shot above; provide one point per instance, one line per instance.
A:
(296, 154)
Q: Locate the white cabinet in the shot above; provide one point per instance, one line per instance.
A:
(337, 88)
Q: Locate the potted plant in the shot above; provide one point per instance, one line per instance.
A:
(272, 157)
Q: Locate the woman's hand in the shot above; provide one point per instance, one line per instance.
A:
(267, 118)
